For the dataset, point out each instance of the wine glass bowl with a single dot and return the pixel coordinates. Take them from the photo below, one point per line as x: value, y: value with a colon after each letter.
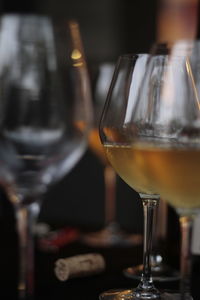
x: 38, y: 135
x: 171, y: 116
x: 45, y: 93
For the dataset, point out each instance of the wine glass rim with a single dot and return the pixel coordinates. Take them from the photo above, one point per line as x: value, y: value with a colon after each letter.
x: 186, y: 45
x: 131, y: 56
x: 175, y: 42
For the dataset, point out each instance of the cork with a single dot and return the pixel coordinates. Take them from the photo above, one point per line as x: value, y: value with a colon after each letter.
x: 79, y: 266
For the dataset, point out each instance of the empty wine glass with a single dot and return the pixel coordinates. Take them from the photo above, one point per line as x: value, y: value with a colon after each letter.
x: 44, y: 94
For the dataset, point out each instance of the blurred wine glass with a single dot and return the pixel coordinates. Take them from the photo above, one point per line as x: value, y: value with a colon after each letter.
x: 111, y: 234
x: 167, y: 135
x: 44, y: 94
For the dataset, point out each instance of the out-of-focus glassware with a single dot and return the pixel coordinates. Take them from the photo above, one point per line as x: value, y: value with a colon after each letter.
x: 44, y: 96
x: 111, y: 234
x: 166, y: 128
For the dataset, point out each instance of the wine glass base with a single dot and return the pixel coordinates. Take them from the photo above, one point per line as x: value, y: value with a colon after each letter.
x: 111, y: 236
x: 161, y: 273
x: 129, y: 294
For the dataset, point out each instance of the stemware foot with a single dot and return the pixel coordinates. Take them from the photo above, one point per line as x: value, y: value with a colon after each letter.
x: 161, y: 273
x: 116, y: 294
x: 131, y: 294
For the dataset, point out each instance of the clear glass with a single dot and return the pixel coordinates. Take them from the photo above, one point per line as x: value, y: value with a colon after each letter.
x: 117, y: 140
x: 44, y: 97
x: 166, y: 129
x: 161, y: 272
x: 111, y: 234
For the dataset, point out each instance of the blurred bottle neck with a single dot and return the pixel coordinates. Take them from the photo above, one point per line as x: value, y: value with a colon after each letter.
x: 177, y: 20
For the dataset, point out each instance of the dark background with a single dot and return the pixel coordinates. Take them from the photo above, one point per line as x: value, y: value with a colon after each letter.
x: 109, y: 28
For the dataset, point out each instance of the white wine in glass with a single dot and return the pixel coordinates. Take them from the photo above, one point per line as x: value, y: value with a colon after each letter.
x: 117, y: 136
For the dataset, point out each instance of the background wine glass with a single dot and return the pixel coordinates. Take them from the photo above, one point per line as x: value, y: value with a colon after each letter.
x: 117, y: 138
x: 111, y: 234
x: 45, y: 93
x: 167, y: 135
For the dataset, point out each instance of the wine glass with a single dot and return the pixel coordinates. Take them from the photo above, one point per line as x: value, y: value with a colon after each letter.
x: 44, y: 95
x: 111, y: 234
x: 166, y: 131
x: 117, y: 137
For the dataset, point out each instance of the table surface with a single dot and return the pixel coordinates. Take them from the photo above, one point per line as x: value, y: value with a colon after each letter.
x: 88, y: 288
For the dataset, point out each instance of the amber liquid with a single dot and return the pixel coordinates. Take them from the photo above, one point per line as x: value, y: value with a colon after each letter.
x: 173, y: 172
x: 96, y: 146
x: 130, y: 166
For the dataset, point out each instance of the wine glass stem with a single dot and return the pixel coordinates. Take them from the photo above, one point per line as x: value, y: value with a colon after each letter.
x: 186, y: 224
x: 146, y: 287
x: 110, y: 196
x: 25, y: 217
